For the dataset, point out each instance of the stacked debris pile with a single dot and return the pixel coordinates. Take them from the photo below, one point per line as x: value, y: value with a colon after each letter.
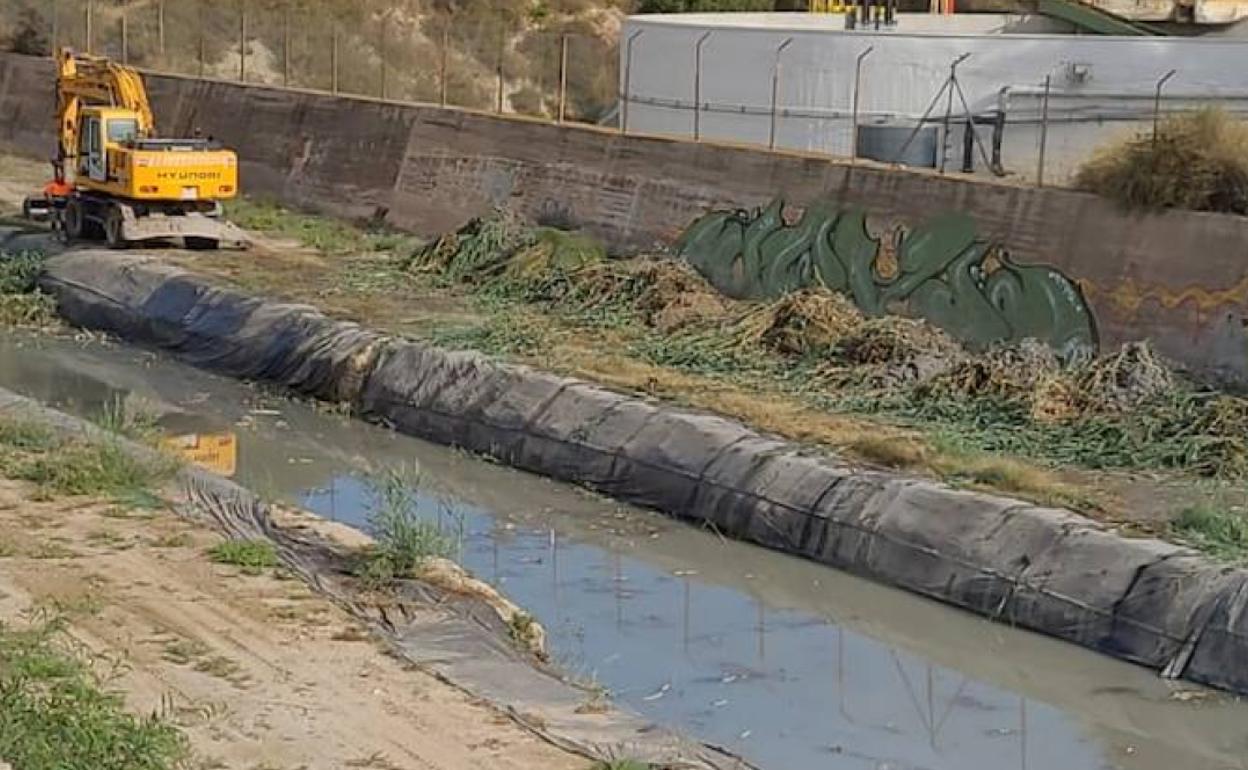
x: 1124, y: 408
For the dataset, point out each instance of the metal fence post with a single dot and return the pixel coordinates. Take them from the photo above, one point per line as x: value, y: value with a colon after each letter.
x: 563, y: 77
x: 202, y: 41
x: 333, y: 58
x: 160, y: 28
x: 125, y: 34
x: 951, y: 85
x: 697, y: 84
x: 89, y: 43
x: 242, y: 41
x: 628, y: 80
x: 286, y: 43
x: 853, y: 136
x: 1157, y: 102
x: 381, y: 48
x: 1044, y: 130
x: 56, y: 27
x: 775, y: 92
x: 443, y: 73
x: 502, y: 44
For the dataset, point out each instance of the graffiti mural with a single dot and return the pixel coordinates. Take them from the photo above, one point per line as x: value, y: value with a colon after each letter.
x: 940, y: 271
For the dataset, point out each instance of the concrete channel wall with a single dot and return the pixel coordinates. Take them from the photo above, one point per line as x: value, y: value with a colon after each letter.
x: 1050, y: 570
x: 1179, y: 279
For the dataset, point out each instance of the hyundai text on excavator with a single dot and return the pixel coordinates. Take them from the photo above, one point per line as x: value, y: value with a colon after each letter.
x: 117, y: 178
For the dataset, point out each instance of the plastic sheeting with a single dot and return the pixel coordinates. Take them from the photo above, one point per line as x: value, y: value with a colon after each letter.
x: 1050, y: 570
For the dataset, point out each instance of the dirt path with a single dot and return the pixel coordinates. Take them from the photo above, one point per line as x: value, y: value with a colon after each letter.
x: 257, y: 670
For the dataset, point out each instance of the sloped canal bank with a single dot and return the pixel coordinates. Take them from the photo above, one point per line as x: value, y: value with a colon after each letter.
x: 791, y: 664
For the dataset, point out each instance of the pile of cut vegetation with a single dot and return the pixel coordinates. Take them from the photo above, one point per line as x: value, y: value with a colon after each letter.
x: 1123, y: 408
x: 503, y: 250
x: 1195, y: 161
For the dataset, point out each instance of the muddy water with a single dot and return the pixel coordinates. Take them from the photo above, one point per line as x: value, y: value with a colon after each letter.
x: 794, y: 665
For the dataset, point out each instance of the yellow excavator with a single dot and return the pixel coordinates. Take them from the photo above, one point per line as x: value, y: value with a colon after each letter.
x: 116, y: 178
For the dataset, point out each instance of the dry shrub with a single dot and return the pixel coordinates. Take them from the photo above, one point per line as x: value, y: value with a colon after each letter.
x: 811, y: 321
x: 889, y: 351
x: 1198, y: 161
x: 1120, y: 381
x: 1032, y: 374
x: 666, y: 294
x: 1009, y: 372
x: 894, y: 339
x: 900, y: 452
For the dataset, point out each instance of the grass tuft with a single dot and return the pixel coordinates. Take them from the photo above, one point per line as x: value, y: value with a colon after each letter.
x: 55, y: 715
x: 253, y: 556
x: 326, y: 235
x: 1218, y: 530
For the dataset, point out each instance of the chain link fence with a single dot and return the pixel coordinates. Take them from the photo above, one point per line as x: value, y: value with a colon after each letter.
x: 554, y: 63
x: 564, y: 60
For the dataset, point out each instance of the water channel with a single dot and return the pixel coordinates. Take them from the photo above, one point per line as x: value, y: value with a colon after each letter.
x: 794, y: 665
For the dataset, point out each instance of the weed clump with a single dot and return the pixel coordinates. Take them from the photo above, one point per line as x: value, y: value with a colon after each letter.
x: 75, y: 466
x: 404, y: 541
x: 252, y: 556
x: 1197, y: 161
x: 328, y: 236
x: 21, y: 302
x: 54, y: 713
x: 1215, y: 529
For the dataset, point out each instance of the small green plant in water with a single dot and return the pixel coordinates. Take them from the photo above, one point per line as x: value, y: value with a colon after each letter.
x: 520, y: 626
x: 253, y: 556
x: 126, y: 419
x: 1218, y: 530
x: 404, y: 540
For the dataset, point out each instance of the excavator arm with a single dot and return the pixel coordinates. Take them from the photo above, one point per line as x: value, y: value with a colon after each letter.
x: 84, y: 81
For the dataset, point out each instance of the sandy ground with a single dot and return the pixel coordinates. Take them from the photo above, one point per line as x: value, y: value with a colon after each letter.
x: 257, y: 670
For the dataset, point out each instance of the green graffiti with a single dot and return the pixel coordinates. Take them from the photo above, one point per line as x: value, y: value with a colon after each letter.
x: 944, y: 273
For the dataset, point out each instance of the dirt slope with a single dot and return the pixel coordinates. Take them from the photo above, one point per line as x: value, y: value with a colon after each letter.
x: 257, y: 670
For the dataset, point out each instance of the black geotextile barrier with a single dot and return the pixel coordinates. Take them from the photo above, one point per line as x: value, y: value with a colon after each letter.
x: 1050, y: 570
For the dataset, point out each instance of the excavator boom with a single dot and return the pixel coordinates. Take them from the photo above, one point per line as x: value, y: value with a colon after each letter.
x: 82, y: 81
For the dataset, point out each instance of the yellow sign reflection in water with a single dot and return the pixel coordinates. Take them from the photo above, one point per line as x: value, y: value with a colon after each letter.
x: 217, y: 452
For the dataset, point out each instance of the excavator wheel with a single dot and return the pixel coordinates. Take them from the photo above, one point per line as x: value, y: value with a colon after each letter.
x: 74, y: 220
x: 112, y: 229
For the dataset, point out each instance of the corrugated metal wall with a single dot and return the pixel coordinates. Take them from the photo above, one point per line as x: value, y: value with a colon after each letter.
x: 1100, y: 85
